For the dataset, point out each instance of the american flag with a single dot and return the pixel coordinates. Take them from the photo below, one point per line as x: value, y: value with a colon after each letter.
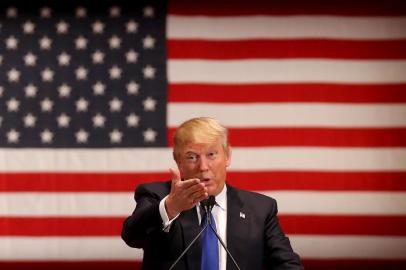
x: 313, y: 93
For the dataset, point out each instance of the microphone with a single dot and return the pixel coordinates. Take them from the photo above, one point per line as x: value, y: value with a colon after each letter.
x: 207, y: 205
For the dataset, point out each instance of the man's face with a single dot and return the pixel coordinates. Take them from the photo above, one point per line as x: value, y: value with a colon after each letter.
x: 208, y: 162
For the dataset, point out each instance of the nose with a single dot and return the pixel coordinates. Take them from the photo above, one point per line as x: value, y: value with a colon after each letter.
x: 203, y: 164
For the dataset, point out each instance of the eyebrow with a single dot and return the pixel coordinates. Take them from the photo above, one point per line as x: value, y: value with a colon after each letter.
x: 191, y: 152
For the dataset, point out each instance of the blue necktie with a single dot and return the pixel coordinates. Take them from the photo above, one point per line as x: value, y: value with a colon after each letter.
x: 210, y: 248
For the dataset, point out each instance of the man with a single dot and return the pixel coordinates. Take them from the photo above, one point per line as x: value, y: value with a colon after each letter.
x: 168, y: 215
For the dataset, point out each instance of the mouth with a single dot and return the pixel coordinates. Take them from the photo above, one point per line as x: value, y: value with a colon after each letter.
x: 205, y: 181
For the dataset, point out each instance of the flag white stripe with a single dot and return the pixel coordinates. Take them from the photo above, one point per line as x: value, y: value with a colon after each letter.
x: 287, y: 70
x: 283, y: 27
x: 113, y: 248
x: 349, y: 247
x: 86, y: 160
x: 113, y: 204
x: 67, y: 248
x: 333, y: 203
x: 159, y: 160
x: 89, y: 204
x: 292, y: 114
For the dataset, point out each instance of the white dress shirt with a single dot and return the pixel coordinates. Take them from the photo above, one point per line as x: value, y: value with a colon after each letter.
x: 219, y: 213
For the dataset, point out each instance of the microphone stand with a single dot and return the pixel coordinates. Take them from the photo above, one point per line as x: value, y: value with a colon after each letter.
x: 221, y: 241
x: 208, y: 205
x: 188, y: 247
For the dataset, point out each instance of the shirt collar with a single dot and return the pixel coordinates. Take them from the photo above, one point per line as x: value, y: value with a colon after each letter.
x: 221, y: 198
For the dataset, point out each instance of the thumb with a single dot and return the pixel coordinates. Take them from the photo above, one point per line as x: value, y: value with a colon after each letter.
x: 175, y: 174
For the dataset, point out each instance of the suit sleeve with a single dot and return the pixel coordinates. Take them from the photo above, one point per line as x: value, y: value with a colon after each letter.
x: 144, y: 221
x: 279, y: 254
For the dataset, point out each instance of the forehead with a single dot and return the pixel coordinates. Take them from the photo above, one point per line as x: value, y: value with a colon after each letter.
x: 201, y: 147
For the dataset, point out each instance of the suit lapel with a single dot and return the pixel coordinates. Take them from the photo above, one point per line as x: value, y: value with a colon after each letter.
x: 190, y: 227
x: 237, y: 227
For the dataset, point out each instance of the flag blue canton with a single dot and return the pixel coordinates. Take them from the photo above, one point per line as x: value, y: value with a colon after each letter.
x: 82, y: 75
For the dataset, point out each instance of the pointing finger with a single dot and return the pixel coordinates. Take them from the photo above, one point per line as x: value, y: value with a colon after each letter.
x: 175, y: 174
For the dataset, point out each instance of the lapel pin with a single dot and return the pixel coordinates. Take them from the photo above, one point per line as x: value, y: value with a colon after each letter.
x: 242, y: 215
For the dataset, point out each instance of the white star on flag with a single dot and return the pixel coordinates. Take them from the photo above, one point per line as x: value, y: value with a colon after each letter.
x: 45, y: 43
x: 98, y: 120
x: 82, y: 136
x: 30, y: 90
x: 98, y: 27
x: 81, y: 12
x: 116, y: 136
x: 114, y: 42
x: 131, y: 56
x: 29, y: 120
x: 62, y: 27
x: 132, y: 120
x: 131, y: 26
x: 30, y: 59
x: 45, y: 12
x: 98, y: 57
x: 47, y: 75
x: 13, y: 75
x: 12, y: 12
x: 46, y: 136
x: 46, y: 105
x: 13, y: 136
x: 82, y: 104
x: 81, y: 73
x: 115, y: 105
x: 63, y: 120
x: 13, y: 105
x: 115, y: 11
x: 132, y: 88
x: 64, y: 90
x: 11, y: 43
x: 28, y: 27
x: 81, y: 43
x: 149, y: 135
x: 64, y: 59
x: 115, y: 72
x: 149, y: 72
x: 148, y: 42
x: 149, y: 12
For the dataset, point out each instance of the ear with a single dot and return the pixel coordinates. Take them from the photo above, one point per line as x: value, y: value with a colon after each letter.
x: 228, y: 157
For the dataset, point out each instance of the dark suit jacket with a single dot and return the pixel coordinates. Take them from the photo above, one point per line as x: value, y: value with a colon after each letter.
x: 256, y: 241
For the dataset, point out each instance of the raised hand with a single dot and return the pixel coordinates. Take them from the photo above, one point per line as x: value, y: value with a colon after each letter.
x: 184, y: 194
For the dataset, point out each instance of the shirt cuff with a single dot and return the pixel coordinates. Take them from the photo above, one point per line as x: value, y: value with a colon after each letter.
x: 164, y: 216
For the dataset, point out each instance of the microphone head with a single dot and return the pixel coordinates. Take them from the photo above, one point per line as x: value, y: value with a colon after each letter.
x: 209, y: 203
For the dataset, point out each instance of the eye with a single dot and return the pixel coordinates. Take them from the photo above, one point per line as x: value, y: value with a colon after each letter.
x: 191, y: 157
x: 212, y: 155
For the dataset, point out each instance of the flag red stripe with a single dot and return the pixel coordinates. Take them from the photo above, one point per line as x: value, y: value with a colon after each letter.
x: 291, y: 7
x: 303, y: 48
x: 76, y: 182
x: 136, y: 265
x: 322, y: 181
x: 348, y: 264
x: 61, y: 226
x: 292, y: 224
x: 69, y: 265
x: 260, y: 181
x: 332, y: 137
x: 245, y: 93
x: 344, y: 225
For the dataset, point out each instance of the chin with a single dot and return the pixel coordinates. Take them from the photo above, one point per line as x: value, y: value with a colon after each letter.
x: 211, y: 191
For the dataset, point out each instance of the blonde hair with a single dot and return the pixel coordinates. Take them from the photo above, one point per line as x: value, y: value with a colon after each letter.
x: 200, y: 130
